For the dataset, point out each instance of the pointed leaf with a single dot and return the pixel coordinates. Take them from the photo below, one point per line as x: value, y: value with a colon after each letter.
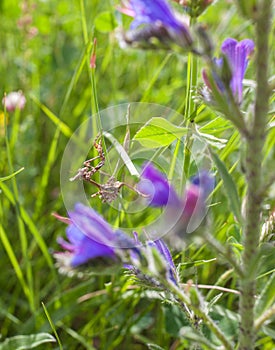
x: 229, y: 186
x: 267, y: 296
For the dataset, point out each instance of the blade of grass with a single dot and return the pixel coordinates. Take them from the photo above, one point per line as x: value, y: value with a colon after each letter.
x: 52, y: 326
x: 46, y: 174
x: 5, y: 178
x: 16, y: 266
x: 31, y: 226
x: 229, y: 185
x: 63, y: 127
x: 21, y: 227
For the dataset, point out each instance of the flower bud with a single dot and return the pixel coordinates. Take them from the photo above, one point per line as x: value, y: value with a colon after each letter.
x: 14, y: 100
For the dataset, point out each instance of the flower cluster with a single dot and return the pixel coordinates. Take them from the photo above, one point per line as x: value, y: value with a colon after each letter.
x: 90, y: 236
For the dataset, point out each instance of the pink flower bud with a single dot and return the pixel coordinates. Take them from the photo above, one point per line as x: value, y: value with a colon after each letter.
x: 13, y: 100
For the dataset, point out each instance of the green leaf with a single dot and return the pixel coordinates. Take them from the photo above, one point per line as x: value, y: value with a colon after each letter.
x: 227, y: 320
x: 31, y: 341
x: 63, y: 127
x: 229, y: 186
x: 196, y: 337
x: 105, y: 22
x: 269, y: 332
x: 5, y: 178
x: 154, y: 347
x: 267, y: 296
x: 159, y: 132
x: 174, y: 319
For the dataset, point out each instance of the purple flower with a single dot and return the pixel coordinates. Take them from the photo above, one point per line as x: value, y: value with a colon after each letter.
x: 154, y: 264
x: 90, y: 236
x: 156, y: 186
x: 237, y: 54
x: 158, y: 14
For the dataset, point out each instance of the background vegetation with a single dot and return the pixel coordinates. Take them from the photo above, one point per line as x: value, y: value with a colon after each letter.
x: 46, y: 48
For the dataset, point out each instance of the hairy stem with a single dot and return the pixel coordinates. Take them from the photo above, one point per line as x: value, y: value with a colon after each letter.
x: 253, y: 163
x: 201, y: 314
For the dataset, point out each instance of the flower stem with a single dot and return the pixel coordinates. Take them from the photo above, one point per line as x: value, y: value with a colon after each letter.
x: 253, y: 163
x: 208, y: 321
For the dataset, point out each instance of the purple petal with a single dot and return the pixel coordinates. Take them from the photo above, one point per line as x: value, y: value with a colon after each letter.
x: 191, y: 200
x: 89, y: 249
x: 164, y: 250
x: 83, y: 248
x: 154, y: 184
x: 151, y: 12
x: 90, y: 223
x: 237, y: 54
x: 205, y: 180
x: 197, y: 192
x: 228, y: 48
x: 243, y: 50
x: 165, y: 253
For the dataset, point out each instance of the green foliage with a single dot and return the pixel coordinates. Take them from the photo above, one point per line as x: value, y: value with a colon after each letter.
x: 46, y: 48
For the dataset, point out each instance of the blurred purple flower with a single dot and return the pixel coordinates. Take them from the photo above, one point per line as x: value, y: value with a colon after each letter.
x: 158, y: 14
x: 188, y: 210
x: 205, y: 180
x: 237, y: 54
x: 153, y: 12
x: 13, y: 100
x: 156, y: 186
x: 90, y: 236
x: 196, y: 193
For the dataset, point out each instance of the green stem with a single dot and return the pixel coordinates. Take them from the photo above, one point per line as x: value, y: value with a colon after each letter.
x: 190, y: 110
x: 183, y: 297
x: 21, y: 227
x: 190, y: 106
x: 253, y: 163
x: 96, y: 122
